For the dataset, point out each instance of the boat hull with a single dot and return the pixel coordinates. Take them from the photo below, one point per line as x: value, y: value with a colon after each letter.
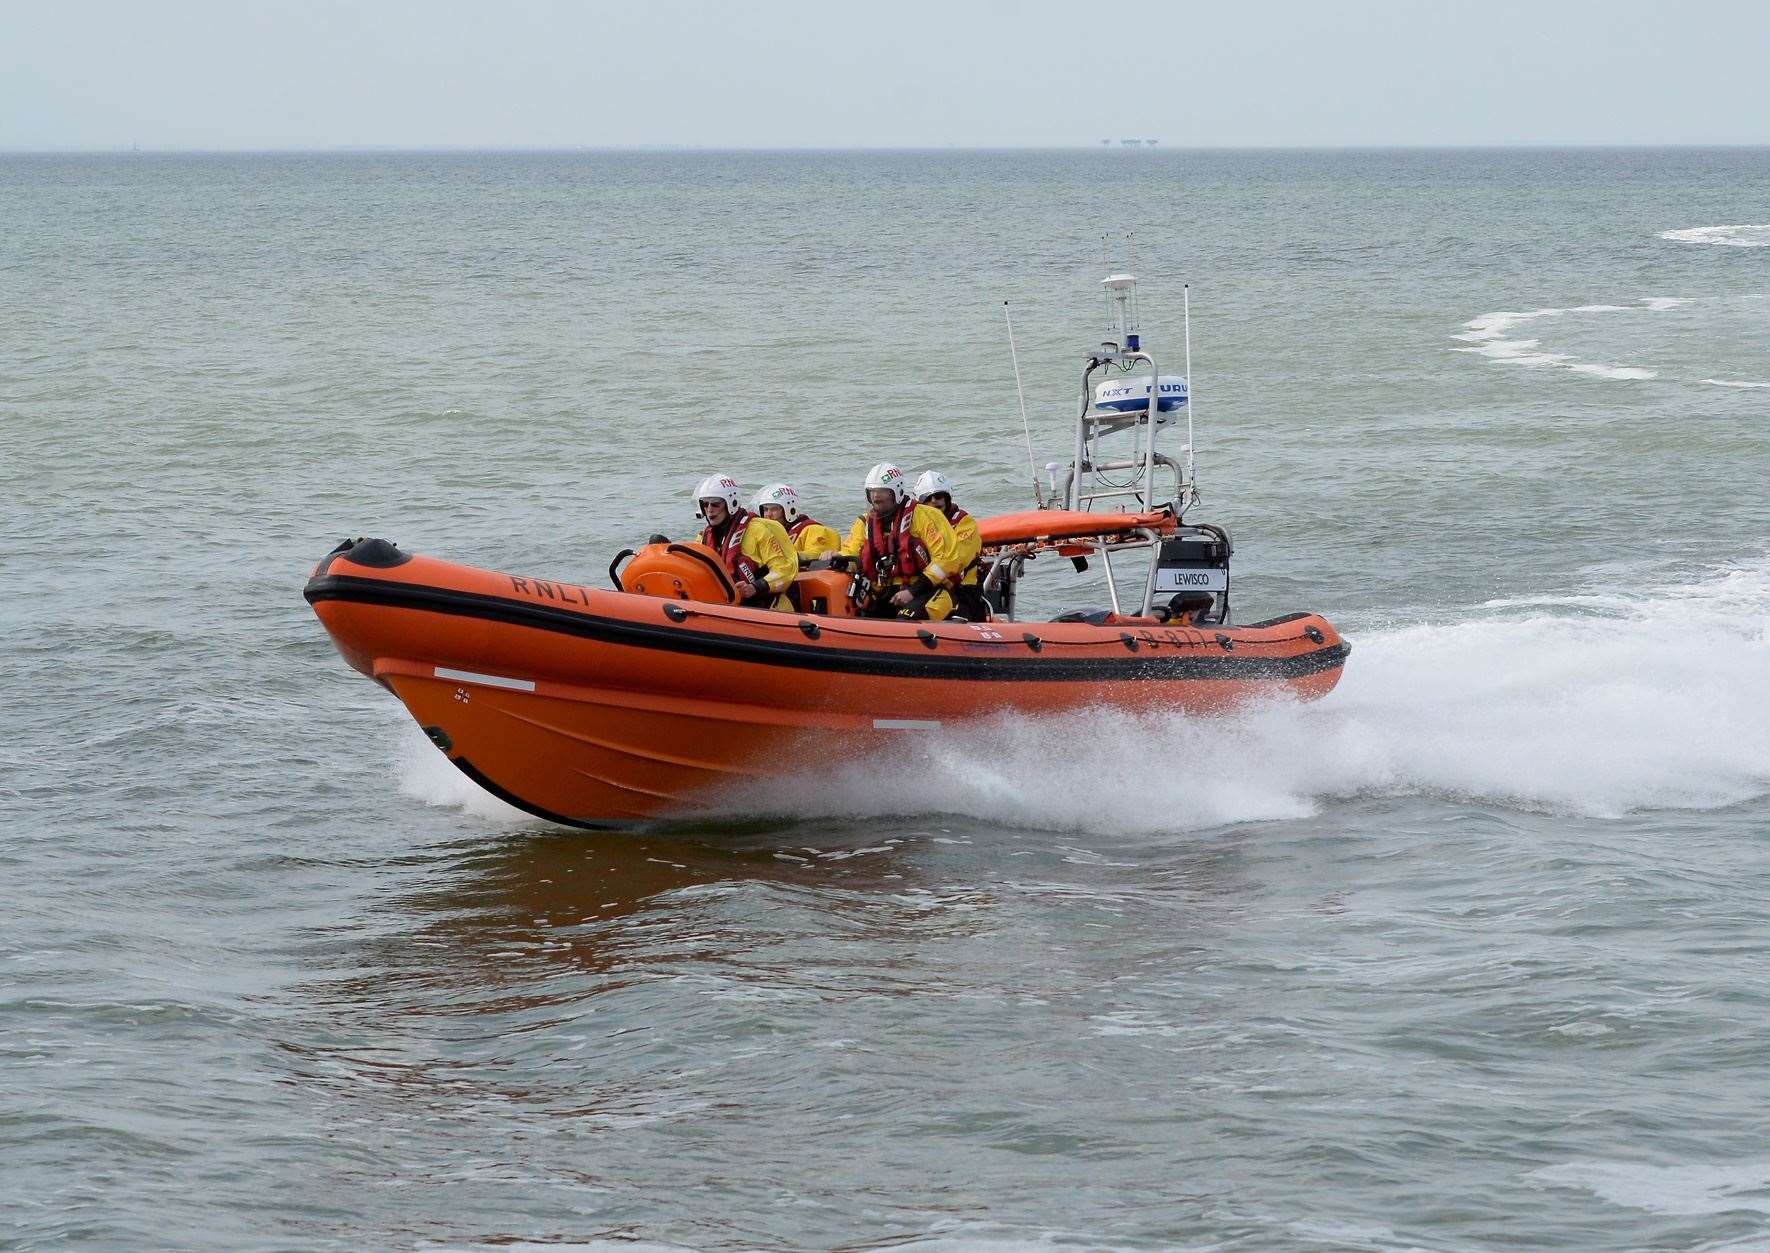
x: 596, y: 708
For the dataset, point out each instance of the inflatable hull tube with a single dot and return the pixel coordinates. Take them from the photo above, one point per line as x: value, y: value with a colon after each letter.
x: 602, y: 708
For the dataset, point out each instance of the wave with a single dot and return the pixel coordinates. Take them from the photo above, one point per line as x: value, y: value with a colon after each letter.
x: 1598, y: 704
x: 1489, y: 336
x: 1731, y: 236
x: 1734, y: 383
x: 1684, y: 1190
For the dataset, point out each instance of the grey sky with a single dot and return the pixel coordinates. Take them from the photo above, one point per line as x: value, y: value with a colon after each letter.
x: 530, y: 73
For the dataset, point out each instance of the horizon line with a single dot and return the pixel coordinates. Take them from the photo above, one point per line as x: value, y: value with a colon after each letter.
x: 1141, y: 145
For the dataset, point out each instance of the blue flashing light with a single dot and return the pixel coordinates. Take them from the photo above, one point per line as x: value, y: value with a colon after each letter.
x: 1133, y: 343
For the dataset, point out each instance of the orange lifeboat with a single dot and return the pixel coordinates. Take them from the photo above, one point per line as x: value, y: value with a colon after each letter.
x: 603, y: 708
x: 600, y: 708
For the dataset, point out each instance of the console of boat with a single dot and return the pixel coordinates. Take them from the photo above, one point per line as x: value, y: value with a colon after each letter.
x: 599, y: 707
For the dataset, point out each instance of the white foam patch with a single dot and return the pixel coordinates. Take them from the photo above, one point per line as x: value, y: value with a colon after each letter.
x: 594, y: 1245
x: 1735, y: 383
x: 1489, y: 337
x: 958, y: 1236
x: 1681, y: 1190
x: 1729, y: 236
x: 1613, y: 371
x: 1596, y: 705
x: 426, y: 775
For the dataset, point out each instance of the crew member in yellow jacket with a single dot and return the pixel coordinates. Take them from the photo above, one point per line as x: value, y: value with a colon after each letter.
x: 966, y: 585
x: 780, y: 503
x: 905, y: 550
x: 757, y: 553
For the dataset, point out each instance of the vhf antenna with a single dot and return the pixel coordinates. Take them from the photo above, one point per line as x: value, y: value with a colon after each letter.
x: 1025, y: 424
x: 1191, y: 392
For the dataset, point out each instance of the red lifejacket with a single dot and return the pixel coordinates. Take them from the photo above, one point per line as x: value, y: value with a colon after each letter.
x: 800, y: 523
x: 731, y: 551
x: 895, y: 543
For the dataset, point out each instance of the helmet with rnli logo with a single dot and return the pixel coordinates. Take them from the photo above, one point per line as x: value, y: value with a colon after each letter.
x: 717, y: 487
x: 782, y: 495
x: 933, y: 483
x: 888, y: 476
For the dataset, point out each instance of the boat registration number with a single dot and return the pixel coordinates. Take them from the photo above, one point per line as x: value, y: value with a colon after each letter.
x: 1172, y: 580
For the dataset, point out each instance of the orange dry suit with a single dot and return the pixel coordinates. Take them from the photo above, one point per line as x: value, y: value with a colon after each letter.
x: 812, y: 538
x: 915, y: 548
x: 756, y: 551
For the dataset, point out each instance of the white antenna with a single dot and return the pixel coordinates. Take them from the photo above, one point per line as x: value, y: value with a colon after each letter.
x: 1025, y: 425
x: 1106, y: 264
x: 1131, y: 248
x: 1191, y: 391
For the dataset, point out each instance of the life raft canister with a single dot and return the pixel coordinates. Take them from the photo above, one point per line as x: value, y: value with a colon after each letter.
x: 679, y: 572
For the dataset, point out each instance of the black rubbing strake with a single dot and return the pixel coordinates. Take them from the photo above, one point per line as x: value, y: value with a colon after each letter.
x: 1181, y: 665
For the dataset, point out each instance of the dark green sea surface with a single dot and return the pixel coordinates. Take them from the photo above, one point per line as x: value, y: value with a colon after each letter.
x: 1473, y: 954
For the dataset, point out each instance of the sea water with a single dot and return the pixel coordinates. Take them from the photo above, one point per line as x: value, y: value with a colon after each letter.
x: 1471, y: 953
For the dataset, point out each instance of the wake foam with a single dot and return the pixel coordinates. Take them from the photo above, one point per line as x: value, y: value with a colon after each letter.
x: 1489, y: 336
x: 1730, y: 236
x: 1735, y: 383
x: 1595, y: 704
x: 426, y: 775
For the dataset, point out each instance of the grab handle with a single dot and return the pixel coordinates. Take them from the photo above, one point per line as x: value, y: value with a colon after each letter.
x: 614, y: 567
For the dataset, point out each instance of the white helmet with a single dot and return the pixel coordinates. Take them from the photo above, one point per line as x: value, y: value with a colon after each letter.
x: 717, y: 487
x: 887, y: 475
x: 782, y: 495
x: 932, y: 483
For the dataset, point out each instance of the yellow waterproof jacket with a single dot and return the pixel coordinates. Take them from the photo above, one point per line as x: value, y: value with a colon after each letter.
x: 767, y: 546
x: 815, y: 539
x: 767, y: 543
x: 930, y: 528
x: 970, y: 545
